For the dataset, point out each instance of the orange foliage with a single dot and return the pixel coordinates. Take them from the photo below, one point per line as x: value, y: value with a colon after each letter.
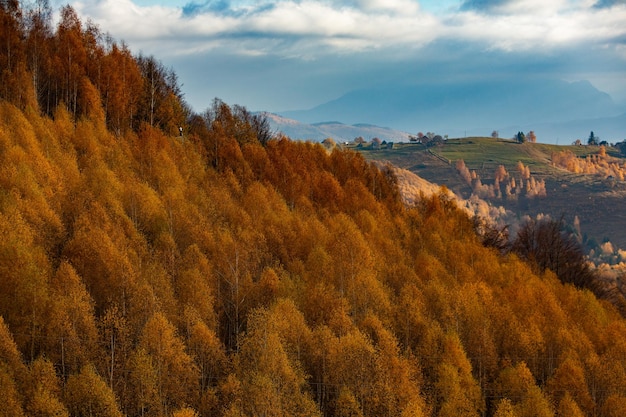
x: 600, y: 164
x: 505, y: 185
x: 227, y: 274
x: 152, y: 262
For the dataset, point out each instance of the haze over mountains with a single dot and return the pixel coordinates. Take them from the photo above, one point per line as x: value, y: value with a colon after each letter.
x: 338, y: 131
x: 556, y: 110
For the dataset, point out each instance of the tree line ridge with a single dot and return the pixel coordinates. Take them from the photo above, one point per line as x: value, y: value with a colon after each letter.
x: 84, y: 70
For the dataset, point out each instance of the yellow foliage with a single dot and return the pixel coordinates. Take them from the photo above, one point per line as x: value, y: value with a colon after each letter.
x: 346, y: 404
x: 568, y: 407
x: 185, y: 412
x: 614, y: 406
x: 504, y: 408
x: 11, y: 404
x: 87, y: 395
x: 600, y: 164
x: 43, y: 403
x: 175, y: 371
x: 215, y: 275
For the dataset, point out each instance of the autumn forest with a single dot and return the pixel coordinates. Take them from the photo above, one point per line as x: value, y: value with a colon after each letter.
x: 230, y: 272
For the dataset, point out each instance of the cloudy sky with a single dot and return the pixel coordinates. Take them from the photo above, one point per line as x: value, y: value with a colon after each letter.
x: 294, y: 54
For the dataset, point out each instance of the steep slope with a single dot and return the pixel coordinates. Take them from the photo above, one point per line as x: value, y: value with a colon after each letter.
x: 222, y: 272
x: 150, y: 274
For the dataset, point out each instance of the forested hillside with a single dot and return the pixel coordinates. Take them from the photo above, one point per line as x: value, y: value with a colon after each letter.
x: 228, y: 273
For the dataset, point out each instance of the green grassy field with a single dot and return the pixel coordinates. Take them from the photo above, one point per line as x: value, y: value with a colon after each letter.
x: 479, y: 151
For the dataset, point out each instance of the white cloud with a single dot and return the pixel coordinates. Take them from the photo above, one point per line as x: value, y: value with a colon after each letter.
x: 410, y: 7
x: 317, y: 27
x: 534, y: 7
x: 538, y: 25
x: 391, y: 39
x: 314, y: 27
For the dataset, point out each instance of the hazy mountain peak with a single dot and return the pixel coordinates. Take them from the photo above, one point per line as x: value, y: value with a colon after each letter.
x: 461, y: 108
x: 336, y: 130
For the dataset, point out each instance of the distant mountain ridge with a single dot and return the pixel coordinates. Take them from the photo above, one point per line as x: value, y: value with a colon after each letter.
x: 333, y: 129
x: 553, y: 108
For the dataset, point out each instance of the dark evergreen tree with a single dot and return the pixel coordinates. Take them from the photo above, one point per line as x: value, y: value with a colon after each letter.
x: 593, y: 139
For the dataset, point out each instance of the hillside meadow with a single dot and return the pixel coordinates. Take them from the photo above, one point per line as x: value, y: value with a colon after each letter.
x: 583, y: 184
x: 225, y: 272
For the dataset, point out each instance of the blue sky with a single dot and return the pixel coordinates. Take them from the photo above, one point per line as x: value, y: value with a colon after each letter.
x: 294, y: 54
